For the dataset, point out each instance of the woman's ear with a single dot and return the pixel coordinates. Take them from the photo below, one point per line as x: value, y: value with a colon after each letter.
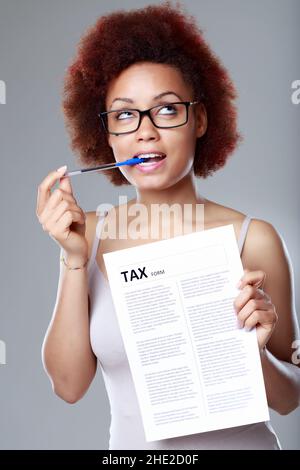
x: 201, y: 120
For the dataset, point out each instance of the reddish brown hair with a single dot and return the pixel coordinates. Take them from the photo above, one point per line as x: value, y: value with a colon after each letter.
x: 159, y: 34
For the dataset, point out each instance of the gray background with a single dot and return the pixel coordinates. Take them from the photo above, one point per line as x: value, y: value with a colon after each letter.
x: 257, y: 41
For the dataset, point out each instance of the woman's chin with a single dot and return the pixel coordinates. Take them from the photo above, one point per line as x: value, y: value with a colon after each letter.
x: 144, y: 180
x: 154, y: 183
x: 155, y: 180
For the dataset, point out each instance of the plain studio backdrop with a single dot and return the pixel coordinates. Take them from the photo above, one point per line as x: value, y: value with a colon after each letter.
x: 257, y: 42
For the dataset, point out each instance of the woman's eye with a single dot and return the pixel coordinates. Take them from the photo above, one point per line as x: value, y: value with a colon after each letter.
x: 121, y: 114
x: 170, y: 106
x: 166, y: 110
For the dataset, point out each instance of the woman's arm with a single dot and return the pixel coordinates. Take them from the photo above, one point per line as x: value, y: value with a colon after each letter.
x: 67, y: 355
x: 265, y: 250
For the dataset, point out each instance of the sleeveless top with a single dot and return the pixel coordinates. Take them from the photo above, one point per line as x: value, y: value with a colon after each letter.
x: 126, y: 427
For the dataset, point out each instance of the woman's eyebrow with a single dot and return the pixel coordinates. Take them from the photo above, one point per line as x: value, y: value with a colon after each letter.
x: 128, y: 100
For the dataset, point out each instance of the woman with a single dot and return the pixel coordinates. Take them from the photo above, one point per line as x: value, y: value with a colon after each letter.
x: 155, y: 59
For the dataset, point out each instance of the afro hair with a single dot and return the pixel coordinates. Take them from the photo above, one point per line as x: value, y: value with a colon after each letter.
x: 160, y: 34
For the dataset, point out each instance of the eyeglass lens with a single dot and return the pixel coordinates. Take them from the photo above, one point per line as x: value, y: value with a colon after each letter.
x: 127, y: 120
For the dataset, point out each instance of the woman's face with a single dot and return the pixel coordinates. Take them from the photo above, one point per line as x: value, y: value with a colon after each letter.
x: 141, y: 83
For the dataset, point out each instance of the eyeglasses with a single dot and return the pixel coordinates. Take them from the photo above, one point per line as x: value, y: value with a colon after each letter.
x: 127, y: 120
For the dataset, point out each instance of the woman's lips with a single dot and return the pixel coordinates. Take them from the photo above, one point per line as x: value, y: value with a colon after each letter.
x: 149, y: 168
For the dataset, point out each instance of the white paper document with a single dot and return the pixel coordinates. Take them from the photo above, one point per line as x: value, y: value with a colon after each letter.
x: 194, y: 370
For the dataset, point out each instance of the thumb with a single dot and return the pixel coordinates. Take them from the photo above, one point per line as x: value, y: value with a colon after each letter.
x: 65, y: 184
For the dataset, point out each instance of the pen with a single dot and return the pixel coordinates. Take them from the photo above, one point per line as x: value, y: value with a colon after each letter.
x: 106, y: 166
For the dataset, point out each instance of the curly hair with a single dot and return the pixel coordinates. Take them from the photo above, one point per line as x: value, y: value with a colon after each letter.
x: 159, y: 34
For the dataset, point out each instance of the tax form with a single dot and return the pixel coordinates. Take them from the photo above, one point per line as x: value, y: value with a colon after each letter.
x: 193, y: 369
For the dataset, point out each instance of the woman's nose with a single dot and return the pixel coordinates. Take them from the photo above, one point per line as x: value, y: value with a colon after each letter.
x: 146, y: 129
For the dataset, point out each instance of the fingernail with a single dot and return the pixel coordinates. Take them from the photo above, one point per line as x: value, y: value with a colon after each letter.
x: 247, y: 328
x: 239, y: 284
x: 59, y: 170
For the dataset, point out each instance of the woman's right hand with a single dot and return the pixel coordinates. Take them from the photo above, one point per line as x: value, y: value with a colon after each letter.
x: 61, y: 217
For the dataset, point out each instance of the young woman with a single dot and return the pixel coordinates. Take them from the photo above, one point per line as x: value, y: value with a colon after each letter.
x: 156, y: 60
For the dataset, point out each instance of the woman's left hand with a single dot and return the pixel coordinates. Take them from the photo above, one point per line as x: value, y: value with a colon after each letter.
x: 254, y: 306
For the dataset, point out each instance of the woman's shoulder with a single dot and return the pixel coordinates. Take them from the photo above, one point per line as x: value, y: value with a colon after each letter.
x: 217, y: 215
x: 224, y: 214
x: 260, y: 233
x: 215, y: 212
x: 263, y: 242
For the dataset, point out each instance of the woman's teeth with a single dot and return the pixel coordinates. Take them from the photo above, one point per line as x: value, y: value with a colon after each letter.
x: 151, y: 158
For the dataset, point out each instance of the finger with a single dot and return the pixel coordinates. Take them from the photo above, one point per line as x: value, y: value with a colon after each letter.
x: 52, y: 225
x: 266, y: 318
x: 62, y: 228
x: 44, y: 188
x: 255, y: 278
x: 54, y: 201
x: 249, y: 308
x: 59, y: 195
x: 64, y: 207
x: 65, y: 184
x: 264, y: 294
x: 248, y: 292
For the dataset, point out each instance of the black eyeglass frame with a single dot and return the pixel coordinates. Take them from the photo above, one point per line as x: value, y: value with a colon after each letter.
x: 146, y: 112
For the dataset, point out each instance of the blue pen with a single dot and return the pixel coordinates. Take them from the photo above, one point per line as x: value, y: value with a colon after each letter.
x: 106, y: 166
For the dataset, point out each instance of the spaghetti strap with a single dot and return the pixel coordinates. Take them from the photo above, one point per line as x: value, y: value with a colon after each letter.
x: 243, y: 232
x: 96, y: 240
